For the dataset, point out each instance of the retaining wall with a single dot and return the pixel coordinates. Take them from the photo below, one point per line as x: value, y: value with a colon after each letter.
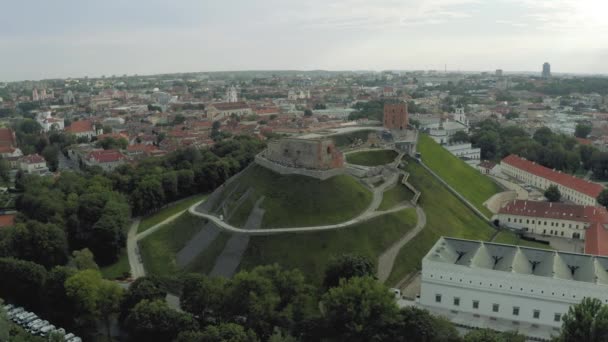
x: 287, y: 170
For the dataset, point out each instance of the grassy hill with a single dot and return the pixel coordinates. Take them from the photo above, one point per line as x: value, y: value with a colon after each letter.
x: 445, y: 214
x: 469, y: 182
x: 310, y: 252
x: 371, y: 158
x: 395, y: 195
x: 292, y: 200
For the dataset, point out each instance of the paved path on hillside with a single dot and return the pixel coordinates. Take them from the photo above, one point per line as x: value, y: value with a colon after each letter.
x: 135, y: 262
x: 387, y: 259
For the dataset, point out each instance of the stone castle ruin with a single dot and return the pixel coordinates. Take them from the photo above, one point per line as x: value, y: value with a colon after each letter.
x: 315, y: 154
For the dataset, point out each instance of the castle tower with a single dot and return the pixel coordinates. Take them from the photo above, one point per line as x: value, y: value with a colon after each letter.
x: 232, y: 95
x: 395, y: 116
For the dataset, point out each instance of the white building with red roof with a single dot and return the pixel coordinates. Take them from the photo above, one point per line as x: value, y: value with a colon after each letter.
x: 83, y: 128
x: 33, y: 164
x: 108, y: 160
x: 572, y: 188
x: 222, y: 110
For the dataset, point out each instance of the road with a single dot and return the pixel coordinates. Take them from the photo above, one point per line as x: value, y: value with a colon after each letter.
x: 387, y: 259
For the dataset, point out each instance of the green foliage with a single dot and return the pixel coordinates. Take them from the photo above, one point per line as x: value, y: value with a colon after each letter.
x: 359, y: 309
x: 142, y: 288
x: 347, y: 266
x: 111, y: 143
x: 602, y: 198
x: 307, y: 112
x: 22, y: 281
x: 84, y: 260
x: 398, y: 194
x: 583, y: 85
x: 460, y: 137
x: 373, y: 110
x: 552, y: 193
x: 155, y: 321
x: 487, y: 335
x: 586, y: 321
x: 582, y: 130
x: 45, y: 244
x: 372, y: 158
x: 224, y: 332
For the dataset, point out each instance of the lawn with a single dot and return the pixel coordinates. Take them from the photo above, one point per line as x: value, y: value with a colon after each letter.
x: 395, y: 195
x: 509, y: 237
x: 158, y: 250
x: 204, y: 262
x: 293, y: 200
x: 310, y: 252
x: 171, y: 210
x: 446, y: 216
x: 470, y: 183
x: 118, y: 269
x: 371, y: 158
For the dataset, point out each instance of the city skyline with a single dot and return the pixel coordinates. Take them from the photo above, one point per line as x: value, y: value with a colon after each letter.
x: 74, y: 39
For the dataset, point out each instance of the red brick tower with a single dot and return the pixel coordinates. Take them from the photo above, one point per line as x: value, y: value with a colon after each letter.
x: 395, y: 116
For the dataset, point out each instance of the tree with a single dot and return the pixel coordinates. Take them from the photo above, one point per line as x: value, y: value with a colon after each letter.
x: 543, y: 135
x: 22, y: 281
x: 203, y: 296
x: 45, y: 244
x: 582, y: 130
x: 602, y: 198
x: 51, y: 155
x: 142, y: 288
x: 155, y: 321
x: 487, y: 335
x: 108, y: 304
x: 421, y: 326
x: 4, y: 324
x: 460, y: 136
x: 586, y: 321
x: 359, y: 309
x: 219, y: 333
x: 307, y: 112
x: 347, y: 266
x: 84, y: 260
x: 552, y: 193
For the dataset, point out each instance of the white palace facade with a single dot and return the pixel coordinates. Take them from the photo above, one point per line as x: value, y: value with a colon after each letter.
x: 504, y: 287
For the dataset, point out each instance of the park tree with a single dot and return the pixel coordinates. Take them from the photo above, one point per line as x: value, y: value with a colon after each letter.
x: 586, y: 321
x: 22, y: 281
x: 421, y: 326
x: 142, y: 288
x: 359, y: 309
x: 347, y: 266
x: 55, y: 295
x: 155, y: 321
x: 582, y: 130
x: 487, y: 335
x: 307, y: 112
x: 51, y: 155
x: 219, y: 333
x: 553, y: 194
x: 203, y: 296
x: 602, y: 198
x: 45, y: 244
x: 84, y: 260
x: 459, y: 137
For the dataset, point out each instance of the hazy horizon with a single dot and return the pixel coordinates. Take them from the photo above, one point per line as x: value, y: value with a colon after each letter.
x: 42, y: 40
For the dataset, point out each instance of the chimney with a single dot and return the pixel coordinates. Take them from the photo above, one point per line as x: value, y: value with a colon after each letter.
x: 550, y: 204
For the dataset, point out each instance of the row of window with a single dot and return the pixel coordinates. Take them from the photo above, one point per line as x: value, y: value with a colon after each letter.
x: 496, y: 308
x: 553, y: 224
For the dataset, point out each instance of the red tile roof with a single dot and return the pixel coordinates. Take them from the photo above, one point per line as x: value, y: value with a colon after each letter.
x: 33, y: 159
x: 230, y: 105
x: 577, y: 184
x: 558, y: 211
x: 596, y: 240
x: 106, y: 156
x: 7, y: 220
x: 7, y: 138
x: 80, y: 127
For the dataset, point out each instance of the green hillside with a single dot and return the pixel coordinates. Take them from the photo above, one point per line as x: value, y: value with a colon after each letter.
x: 469, y: 182
x: 310, y: 252
x: 293, y: 201
x: 445, y: 214
x: 371, y: 158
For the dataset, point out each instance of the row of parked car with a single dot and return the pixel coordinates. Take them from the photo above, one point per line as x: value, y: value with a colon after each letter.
x: 35, y: 325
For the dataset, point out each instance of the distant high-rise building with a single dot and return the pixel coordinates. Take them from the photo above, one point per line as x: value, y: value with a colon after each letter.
x: 232, y: 95
x: 546, y: 70
x: 35, y: 96
x: 498, y: 72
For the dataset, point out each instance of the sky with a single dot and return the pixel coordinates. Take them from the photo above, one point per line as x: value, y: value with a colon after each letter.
x: 73, y: 38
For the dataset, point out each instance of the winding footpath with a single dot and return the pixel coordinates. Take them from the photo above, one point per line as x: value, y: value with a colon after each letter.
x: 387, y: 259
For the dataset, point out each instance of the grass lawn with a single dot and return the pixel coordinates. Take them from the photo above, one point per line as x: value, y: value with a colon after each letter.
x: 371, y: 158
x: 446, y: 216
x: 171, y: 210
x: 292, y: 200
x: 204, y: 262
x: 159, y: 249
x: 395, y: 195
x: 509, y: 237
x: 474, y: 186
x: 310, y: 252
x: 118, y: 269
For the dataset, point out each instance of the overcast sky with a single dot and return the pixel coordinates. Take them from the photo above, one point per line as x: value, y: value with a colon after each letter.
x: 72, y: 38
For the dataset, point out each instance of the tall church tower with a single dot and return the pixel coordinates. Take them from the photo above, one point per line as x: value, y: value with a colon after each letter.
x: 461, y: 117
x: 232, y: 95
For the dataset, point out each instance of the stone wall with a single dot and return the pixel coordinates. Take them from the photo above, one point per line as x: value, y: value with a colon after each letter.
x: 288, y: 170
x: 318, y: 154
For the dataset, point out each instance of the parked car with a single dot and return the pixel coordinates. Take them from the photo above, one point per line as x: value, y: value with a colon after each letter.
x: 15, y: 312
x: 33, y: 322
x: 23, y: 316
x: 75, y: 339
x: 44, y: 331
x: 68, y: 337
x: 8, y: 307
x: 28, y: 320
x: 34, y: 328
